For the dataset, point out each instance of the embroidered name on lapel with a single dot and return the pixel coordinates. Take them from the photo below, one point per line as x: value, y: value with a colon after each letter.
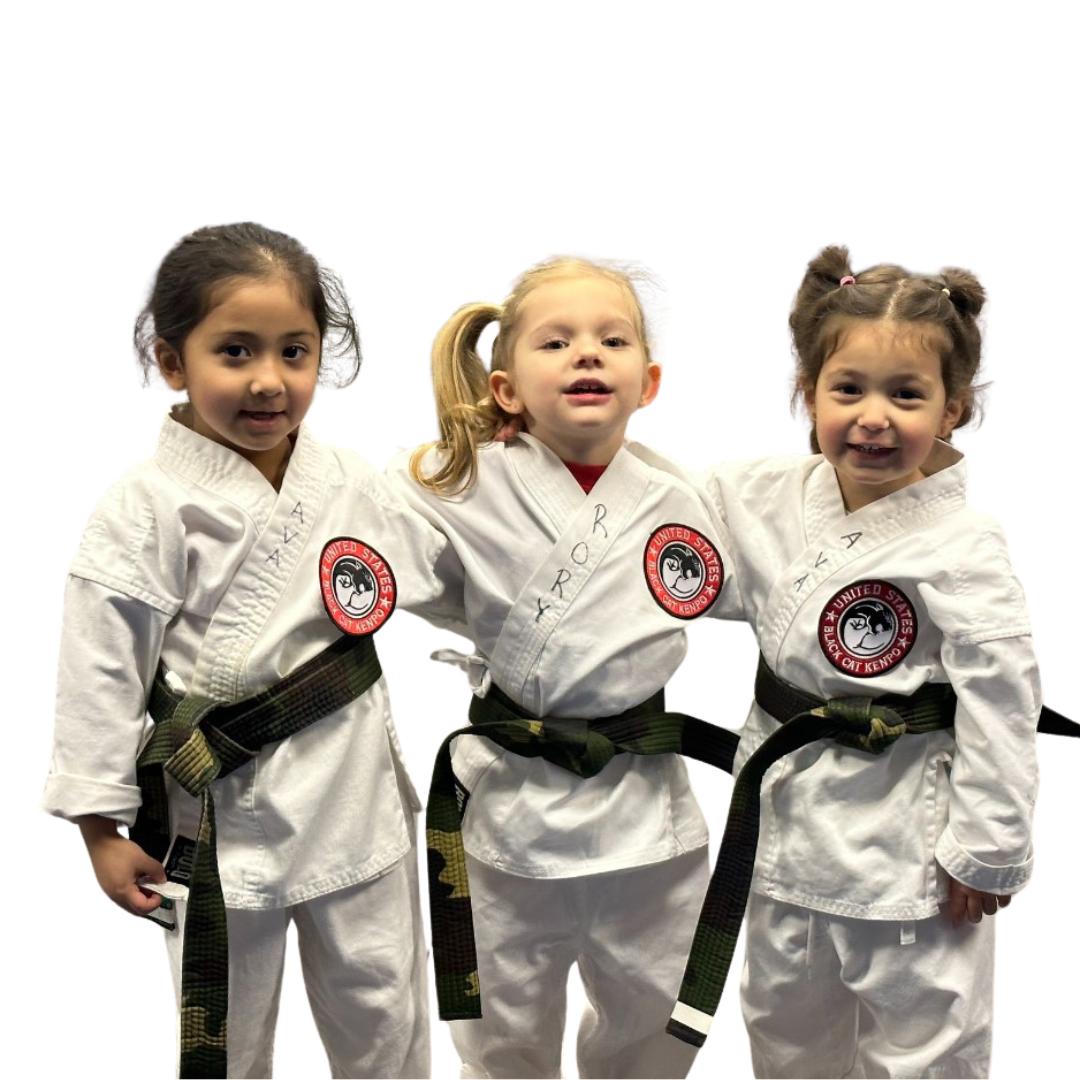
x: 357, y: 584
x: 867, y: 628
x: 683, y: 570
x: 579, y: 555
x: 286, y: 536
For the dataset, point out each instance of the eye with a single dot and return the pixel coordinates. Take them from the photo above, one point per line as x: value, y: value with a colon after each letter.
x: 614, y: 342
x: 236, y: 352
x: 294, y: 352
x: 847, y: 390
x: 553, y: 344
x: 908, y: 394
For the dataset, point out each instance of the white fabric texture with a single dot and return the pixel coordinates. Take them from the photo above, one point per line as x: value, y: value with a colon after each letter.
x: 562, y: 615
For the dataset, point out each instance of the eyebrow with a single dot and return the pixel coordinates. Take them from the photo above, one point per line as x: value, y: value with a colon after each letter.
x: 899, y: 376
x: 563, y: 328
x: 255, y: 334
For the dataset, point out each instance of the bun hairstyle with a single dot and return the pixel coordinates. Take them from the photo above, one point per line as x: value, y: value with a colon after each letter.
x: 189, y: 282
x: 468, y: 414
x: 832, y: 296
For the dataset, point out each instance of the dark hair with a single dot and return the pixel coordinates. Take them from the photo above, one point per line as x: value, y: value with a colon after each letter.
x: 949, y: 301
x: 204, y: 258
x: 187, y: 283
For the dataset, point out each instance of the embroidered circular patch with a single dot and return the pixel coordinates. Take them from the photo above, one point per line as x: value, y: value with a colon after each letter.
x: 683, y: 570
x: 358, y: 586
x: 867, y: 628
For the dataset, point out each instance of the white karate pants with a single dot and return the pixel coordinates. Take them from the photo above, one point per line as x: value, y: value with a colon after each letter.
x: 827, y: 996
x: 365, y: 969
x: 629, y: 932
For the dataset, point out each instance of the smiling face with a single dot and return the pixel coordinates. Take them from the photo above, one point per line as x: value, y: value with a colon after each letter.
x: 250, y: 369
x: 878, y: 405
x: 578, y: 369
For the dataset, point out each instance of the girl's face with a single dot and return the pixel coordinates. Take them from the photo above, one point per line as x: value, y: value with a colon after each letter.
x: 250, y: 369
x: 578, y: 369
x: 878, y: 405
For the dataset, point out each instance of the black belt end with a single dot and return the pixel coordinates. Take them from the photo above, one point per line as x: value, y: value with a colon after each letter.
x: 684, y: 1033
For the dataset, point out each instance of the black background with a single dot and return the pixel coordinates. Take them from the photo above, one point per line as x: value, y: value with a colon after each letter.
x: 102, y: 972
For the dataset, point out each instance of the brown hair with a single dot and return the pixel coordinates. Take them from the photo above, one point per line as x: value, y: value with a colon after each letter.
x: 950, y: 302
x: 468, y: 414
x: 188, y: 283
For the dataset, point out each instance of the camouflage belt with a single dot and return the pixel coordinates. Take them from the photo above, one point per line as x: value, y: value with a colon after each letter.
x: 582, y: 747
x: 197, y: 740
x: 865, y: 724
x: 871, y: 725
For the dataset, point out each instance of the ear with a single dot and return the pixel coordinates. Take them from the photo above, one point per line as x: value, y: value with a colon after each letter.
x: 502, y: 390
x: 650, y: 385
x: 954, y: 409
x: 809, y: 396
x: 169, y: 364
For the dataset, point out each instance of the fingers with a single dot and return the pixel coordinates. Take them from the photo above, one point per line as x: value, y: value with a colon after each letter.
x: 136, y: 901
x: 970, y: 905
x: 141, y: 901
x: 957, y: 904
x: 151, y: 868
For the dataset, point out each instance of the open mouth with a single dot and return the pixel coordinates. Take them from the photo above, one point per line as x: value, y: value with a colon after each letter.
x: 260, y: 417
x: 872, y: 451
x: 587, y: 387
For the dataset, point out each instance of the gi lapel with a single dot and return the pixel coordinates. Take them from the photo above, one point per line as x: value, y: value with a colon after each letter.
x: 835, y: 538
x: 585, y: 533
x: 242, y: 613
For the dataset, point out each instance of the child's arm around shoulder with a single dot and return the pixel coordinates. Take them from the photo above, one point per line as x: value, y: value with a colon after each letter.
x: 427, y: 573
x: 752, y: 501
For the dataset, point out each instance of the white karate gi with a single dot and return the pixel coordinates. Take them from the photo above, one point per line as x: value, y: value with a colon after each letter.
x: 911, y: 589
x: 194, y: 557
x: 566, y: 623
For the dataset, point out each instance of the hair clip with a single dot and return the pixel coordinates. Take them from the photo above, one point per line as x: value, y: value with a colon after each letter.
x: 945, y: 290
x: 846, y: 280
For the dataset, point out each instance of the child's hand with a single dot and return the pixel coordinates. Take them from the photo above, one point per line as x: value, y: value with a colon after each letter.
x: 971, y: 904
x: 118, y: 863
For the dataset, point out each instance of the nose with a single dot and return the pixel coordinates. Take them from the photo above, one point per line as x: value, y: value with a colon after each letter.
x: 266, y: 380
x: 588, y: 355
x: 873, y: 415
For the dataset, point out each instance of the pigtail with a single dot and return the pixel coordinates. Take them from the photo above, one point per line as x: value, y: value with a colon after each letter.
x: 964, y: 296
x: 824, y: 288
x: 468, y: 414
x: 825, y: 275
x: 967, y: 292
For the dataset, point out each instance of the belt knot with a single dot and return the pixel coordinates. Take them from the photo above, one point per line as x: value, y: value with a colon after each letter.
x: 862, y: 724
x: 193, y: 763
x: 586, y: 749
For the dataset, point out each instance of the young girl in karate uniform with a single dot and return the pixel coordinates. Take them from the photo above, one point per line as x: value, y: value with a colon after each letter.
x: 581, y: 557
x: 864, y: 573
x: 239, y: 552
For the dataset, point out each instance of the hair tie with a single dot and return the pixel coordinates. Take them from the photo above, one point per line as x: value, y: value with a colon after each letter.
x: 945, y: 290
x: 847, y: 279
x: 508, y: 430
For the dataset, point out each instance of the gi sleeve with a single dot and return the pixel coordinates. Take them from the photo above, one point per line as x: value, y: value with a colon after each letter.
x: 127, y: 582
x: 445, y: 607
x: 711, y: 490
x: 109, y: 649
x: 988, y: 658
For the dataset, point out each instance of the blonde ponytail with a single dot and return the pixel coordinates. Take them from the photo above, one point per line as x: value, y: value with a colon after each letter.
x: 468, y: 415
